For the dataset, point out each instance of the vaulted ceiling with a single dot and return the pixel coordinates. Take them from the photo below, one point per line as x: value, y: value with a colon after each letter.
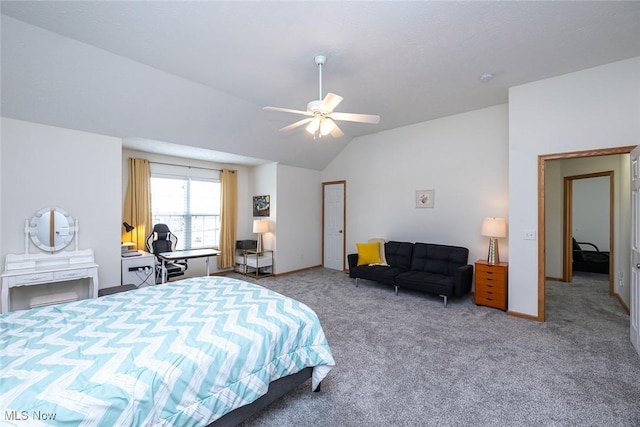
x: 190, y: 78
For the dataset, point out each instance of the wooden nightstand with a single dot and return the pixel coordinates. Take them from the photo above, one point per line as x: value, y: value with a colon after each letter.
x: 491, y: 284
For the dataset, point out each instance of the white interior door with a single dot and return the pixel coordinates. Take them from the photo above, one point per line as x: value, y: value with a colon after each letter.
x: 635, y: 249
x: 333, y: 251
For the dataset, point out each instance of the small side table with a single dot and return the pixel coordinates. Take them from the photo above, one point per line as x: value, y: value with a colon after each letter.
x: 139, y: 270
x: 491, y: 284
x: 258, y: 264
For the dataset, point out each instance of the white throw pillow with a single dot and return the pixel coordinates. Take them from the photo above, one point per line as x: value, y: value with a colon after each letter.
x: 383, y: 259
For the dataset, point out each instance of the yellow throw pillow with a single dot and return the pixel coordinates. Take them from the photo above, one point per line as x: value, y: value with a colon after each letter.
x: 368, y: 253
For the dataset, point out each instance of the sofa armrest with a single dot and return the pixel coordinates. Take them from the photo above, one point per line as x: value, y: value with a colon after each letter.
x: 463, y: 281
x: 352, y: 259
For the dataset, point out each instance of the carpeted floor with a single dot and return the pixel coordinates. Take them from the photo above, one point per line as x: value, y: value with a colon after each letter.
x: 407, y: 360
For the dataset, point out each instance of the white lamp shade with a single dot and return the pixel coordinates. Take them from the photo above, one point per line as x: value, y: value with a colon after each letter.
x: 494, y: 227
x: 327, y: 126
x: 313, y: 126
x: 260, y: 226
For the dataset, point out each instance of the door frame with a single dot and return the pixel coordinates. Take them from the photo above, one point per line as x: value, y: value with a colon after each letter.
x: 542, y: 159
x: 344, y: 218
x: 567, y: 247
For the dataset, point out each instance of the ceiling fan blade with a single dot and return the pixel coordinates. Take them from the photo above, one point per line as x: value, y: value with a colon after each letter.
x: 330, y: 102
x: 296, y: 124
x: 287, y: 110
x: 337, y: 132
x: 354, y: 117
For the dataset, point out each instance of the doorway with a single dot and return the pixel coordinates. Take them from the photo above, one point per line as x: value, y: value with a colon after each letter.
x: 542, y: 165
x: 333, y: 224
x: 588, y: 204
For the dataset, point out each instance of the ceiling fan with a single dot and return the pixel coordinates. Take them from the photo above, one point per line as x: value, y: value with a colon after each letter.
x: 321, y: 117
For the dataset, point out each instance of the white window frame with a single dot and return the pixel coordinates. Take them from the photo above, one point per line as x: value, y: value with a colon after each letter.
x: 189, y: 175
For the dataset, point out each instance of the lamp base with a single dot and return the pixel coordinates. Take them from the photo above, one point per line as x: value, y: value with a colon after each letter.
x: 493, y: 257
x: 259, y: 246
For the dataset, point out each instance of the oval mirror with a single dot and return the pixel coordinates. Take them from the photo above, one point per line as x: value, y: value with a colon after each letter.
x: 51, y: 229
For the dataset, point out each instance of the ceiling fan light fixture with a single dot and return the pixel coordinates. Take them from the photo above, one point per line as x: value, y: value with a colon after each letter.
x: 327, y: 126
x: 313, y: 126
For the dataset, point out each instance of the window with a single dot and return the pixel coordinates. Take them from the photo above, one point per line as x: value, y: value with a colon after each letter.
x: 190, y: 206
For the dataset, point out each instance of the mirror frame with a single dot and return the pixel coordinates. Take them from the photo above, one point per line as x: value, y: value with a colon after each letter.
x: 58, y: 225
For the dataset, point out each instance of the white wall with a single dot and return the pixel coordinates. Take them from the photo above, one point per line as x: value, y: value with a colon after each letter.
x: 77, y: 171
x: 197, y: 266
x: 263, y: 181
x: 462, y: 157
x: 591, y: 211
x: 299, y: 218
x: 590, y: 109
x: 554, y: 209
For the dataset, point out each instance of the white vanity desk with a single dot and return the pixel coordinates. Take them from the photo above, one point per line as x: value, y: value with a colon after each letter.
x: 37, y: 269
x: 51, y: 230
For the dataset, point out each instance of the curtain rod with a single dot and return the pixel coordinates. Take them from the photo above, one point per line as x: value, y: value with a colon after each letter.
x: 184, y: 166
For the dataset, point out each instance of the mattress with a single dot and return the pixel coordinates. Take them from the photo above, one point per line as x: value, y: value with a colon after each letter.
x: 184, y: 354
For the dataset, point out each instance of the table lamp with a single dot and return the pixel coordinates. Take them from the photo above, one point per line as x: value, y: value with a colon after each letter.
x: 494, y: 228
x: 260, y: 226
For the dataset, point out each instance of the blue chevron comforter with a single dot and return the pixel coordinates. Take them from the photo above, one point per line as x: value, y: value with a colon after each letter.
x: 182, y: 354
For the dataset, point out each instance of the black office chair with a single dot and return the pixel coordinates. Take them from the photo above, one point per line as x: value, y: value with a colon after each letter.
x: 592, y: 260
x: 161, y: 240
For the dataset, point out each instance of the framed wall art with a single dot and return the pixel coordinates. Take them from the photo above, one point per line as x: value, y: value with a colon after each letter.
x: 425, y: 198
x: 261, y: 205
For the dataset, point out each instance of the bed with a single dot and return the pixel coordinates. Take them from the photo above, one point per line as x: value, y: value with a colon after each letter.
x: 192, y: 352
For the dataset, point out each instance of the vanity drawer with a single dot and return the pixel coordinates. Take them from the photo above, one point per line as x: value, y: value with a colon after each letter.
x: 26, y: 279
x: 70, y: 275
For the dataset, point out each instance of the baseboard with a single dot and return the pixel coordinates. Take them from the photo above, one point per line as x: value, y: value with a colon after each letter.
x: 523, y: 316
x: 622, y: 303
x: 286, y: 273
x: 222, y: 272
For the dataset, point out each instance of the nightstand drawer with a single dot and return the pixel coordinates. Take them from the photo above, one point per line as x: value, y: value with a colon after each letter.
x: 497, y: 275
x: 491, y: 301
x: 486, y: 292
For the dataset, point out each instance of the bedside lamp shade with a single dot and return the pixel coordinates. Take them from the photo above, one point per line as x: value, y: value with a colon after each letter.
x: 494, y: 228
x: 260, y: 226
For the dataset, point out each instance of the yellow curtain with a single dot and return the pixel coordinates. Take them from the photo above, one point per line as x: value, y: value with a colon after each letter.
x: 137, y: 203
x: 228, y: 218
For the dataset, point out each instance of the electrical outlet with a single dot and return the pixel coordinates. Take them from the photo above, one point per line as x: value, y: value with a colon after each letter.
x: 529, y: 234
x: 620, y: 277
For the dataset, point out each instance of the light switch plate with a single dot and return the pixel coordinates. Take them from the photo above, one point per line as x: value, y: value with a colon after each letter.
x: 529, y: 234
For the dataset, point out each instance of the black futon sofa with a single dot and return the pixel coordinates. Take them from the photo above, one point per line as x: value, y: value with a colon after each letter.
x: 427, y: 267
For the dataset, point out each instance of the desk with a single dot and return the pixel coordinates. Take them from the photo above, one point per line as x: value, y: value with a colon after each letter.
x: 37, y: 269
x: 186, y: 254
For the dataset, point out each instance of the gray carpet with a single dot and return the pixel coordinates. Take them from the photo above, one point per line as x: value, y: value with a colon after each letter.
x: 407, y: 360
